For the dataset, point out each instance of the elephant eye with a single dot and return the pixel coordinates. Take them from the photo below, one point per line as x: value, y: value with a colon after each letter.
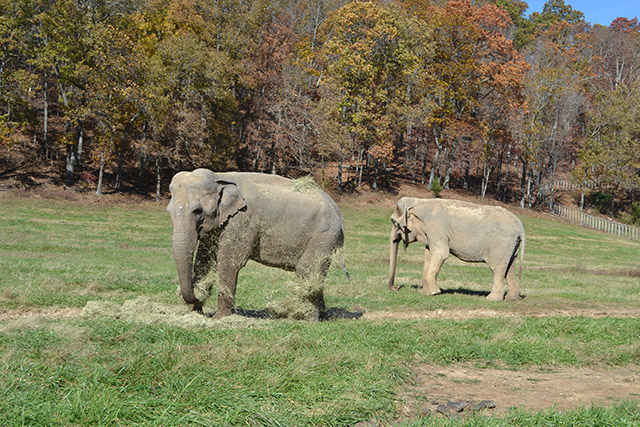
x: 197, y: 211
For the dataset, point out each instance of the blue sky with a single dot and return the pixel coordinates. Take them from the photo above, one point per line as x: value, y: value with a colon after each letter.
x: 595, y: 11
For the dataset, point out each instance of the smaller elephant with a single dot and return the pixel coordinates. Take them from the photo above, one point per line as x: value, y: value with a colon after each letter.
x: 471, y: 232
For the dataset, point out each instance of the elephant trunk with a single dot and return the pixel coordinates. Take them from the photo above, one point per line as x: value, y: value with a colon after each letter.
x: 393, y: 257
x: 184, y: 244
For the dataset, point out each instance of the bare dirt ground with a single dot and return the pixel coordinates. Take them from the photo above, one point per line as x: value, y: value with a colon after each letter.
x: 465, y: 314
x: 557, y: 388
x: 532, y: 389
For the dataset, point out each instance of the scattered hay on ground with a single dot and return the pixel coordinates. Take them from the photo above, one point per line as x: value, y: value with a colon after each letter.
x: 145, y: 310
x: 306, y: 296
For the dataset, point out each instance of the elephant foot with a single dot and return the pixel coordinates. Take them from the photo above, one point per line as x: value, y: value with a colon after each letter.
x: 495, y: 296
x: 432, y: 291
x: 513, y: 296
x: 220, y: 313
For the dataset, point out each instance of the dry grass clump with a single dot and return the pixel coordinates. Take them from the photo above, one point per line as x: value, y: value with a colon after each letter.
x: 306, y: 184
x: 145, y: 310
x: 303, y: 302
x: 202, y: 288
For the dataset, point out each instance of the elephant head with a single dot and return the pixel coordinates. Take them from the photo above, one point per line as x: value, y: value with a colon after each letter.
x: 405, y: 227
x: 200, y: 203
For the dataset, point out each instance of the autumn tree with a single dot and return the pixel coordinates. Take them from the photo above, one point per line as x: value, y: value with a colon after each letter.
x: 365, y: 59
x: 610, y: 153
x: 472, y: 79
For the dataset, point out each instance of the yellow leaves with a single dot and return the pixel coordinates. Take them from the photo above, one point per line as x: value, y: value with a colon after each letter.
x: 367, y: 64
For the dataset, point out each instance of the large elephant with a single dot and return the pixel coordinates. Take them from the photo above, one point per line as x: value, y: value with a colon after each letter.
x: 473, y: 233
x: 228, y: 218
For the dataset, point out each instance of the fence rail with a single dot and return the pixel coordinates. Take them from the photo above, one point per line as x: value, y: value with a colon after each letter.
x: 597, y: 223
x: 568, y: 185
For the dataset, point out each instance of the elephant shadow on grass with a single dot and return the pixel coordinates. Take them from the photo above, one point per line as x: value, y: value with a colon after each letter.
x: 334, y: 313
x: 458, y: 290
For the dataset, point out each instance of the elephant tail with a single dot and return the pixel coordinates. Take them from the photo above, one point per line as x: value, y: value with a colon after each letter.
x: 521, y: 257
x: 344, y: 267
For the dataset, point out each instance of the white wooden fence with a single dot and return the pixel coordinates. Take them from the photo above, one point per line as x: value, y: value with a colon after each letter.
x: 597, y: 223
x: 567, y: 185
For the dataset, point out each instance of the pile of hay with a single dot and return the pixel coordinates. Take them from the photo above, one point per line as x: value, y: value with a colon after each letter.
x: 301, y: 305
x: 145, y: 310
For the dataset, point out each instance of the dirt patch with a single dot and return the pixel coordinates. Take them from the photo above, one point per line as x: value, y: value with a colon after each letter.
x: 620, y: 272
x: 466, y: 314
x: 531, y: 389
x: 163, y: 312
x: 49, y: 313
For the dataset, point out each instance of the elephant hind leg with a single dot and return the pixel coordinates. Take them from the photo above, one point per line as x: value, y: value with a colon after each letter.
x: 514, y: 290
x: 312, y: 268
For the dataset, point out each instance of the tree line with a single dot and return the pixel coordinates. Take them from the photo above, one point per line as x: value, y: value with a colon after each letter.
x: 459, y: 93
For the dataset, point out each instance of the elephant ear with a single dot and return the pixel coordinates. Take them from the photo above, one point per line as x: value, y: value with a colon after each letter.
x: 230, y: 201
x: 401, y: 218
x: 405, y: 226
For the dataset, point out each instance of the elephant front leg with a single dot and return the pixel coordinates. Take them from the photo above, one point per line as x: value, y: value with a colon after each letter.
x: 432, y: 264
x: 227, y: 282
x: 233, y: 254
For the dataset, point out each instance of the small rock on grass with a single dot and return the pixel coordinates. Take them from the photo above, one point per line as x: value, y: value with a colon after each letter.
x: 456, y: 408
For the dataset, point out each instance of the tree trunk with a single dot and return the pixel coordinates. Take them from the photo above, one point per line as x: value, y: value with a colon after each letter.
x: 374, y: 184
x: 339, y: 177
x: 436, y: 159
x: 486, y: 172
x: 505, y: 187
x: 158, y: 179
x: 100, y: 174
x: 143, y: 156
x: 466, y: 177
x: 499, y: 176
x: 119, y: 173
x: 523, y: 183
x: 45, y: 120
x: 434, y: 165
x: 71, y: 162
x: 358, y: 174
x: 80, y: 139
x: 553, y: 180
x: 447, y: 168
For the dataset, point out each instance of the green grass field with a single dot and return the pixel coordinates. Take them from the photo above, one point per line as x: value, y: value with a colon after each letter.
x: 60, y: 366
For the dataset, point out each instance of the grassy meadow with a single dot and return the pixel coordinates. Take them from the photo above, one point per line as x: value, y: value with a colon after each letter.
x: 62, y: 366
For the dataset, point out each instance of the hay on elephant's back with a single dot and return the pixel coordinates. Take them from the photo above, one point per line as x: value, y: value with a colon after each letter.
x: 306, y: 184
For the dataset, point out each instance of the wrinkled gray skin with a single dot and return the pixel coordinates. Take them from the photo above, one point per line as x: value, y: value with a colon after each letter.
x: 233, y: 217
x: 473, y: 233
